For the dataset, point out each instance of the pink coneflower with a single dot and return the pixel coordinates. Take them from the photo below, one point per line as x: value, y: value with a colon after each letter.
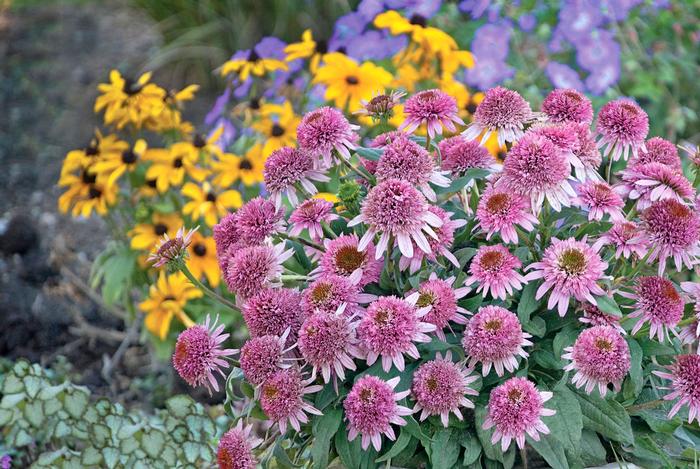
x: 171, y: 251
x: 395, y: 208
x: 593, y: 316
x: 569, y: 268
x: 693, y: 289
x: 371, y: 408
x: 495, y: 268
x: 257, y: 219
x: 439, y: 388
x: 272, y: 311
x: 389, y: 328
x: 328, y: 343
x: 404, y: 159
x: 441, y: 297
x: 658, y: 150
x: 586, y: 150
x: 502, y: 111
x: 251, y: 268
x: 568, y: 105
x: 658, y: 303
x: 261, y: 357
x: 440, y: 245
x: 565, y: 138
x: 385, y: 138
x: 199, y: 354
x: 343, y: 257
x: 433, y: 108
x: 326, y: 129
x: 235, y: 449
x: 622, y: 126
x: 516, y: 408
x: 329, y: 292
x: 647, y: 183
x: 535, y: 167
x: 625, y: 237
x: 600, y: 356
x: 381, y: 106
x: 599, y: 199
x: 288, y: 168
x: 673, y: 231
x: 282, y: 399
x: 309, y: 215
x: 684, y: 375
x: 500, y: 211
x: 494, y: 337
x: 226, y: 234
x: 459, y: 155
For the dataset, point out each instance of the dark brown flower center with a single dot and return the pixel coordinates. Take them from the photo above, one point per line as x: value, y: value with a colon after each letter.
x: 253, y: 56
x: 199, y: 249
x: 418, y: 20
x: 348, y: 259
x: 629, y: 107
x: 431, y: 383
x: 604, y: 345
x: 245, y: 164
x: 572, y: 261
x: 491, y: 260
x: 426, y: 298
x: 270, y: 392
x: 177, y: 163
x: 199, y: 141
x: 88, y: 177
x: 92, y: 149
x: 515, y: 395
x: 254, y: 104
x: 151, y: 183
x: 572, y: 95
x: 322, y: 46
x: 493, y: 325
x: 471, y: 107
x: 498, y: 202
x: 352, y: 80
x: 94, y: 192
x: 131, y: 87
x: 321, y: 292
x: 366, y: 395
x: 169, y: 298
x: 160, y: 229
x: 383, y: 317
x: 211, y: 197
x: 129, y: 157
x: 277, y: 130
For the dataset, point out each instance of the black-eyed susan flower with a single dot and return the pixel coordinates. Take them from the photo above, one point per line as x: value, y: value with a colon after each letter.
x: 247, y: 168
x: 170, y: 166
x: 202, y: 260
x: 86, y: 192
x: 114, y: 164
x: 167, y: 299
x: 209, y: 204
x: 100, y: 147
x: 126, y: 101
x: 208, y: 145
x: 307, y: 48
x: 278, y: 125
x: 251, y: 64
x: 145, y: 236
x: 347, y: 82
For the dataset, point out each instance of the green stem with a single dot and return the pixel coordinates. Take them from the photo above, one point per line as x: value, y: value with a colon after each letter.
x: 292, y: 277
x: 427, y: 142
x: 328, y: 230
x: 645, y: 405
x: 301, y: 240
x: 608, y: 172
x: 368, y: 177
x: 207, y: 291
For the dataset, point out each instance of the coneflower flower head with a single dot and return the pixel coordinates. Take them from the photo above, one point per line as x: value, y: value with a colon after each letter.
x: 673, y: 231
x: 459, y: 155
x: 494, y: 337
x: 261, y: 357
x: 684, y: 375
x: 516, y: 409
x: 658, y: 150
x: 389, y: 328
x: 328, y: 293
x: 500, y: 211
x: 625, y: 237
x: 309, y: 215
x: 381, y: 106
x: 649, y: 182
x: 226, y: 234
x: 395, y: 208
x: 657, y: 302
x: 257, y: 219
x: 494, y: 268
x: 326, y: 129
x: 272, y: 311
x: 568, y: 105
x: 433, y: 108
x: 622, y: 126
x: 570, y: 268
x: 199, y: 354
x: 600, y: 356
x: 441, y: 297
x: 586, y: 150
x: 502, y: 111
x: 253, y: 268
x: 404, y: 159
x: 172, y: 252
x: 343, y: 257
x: 285, y: 169
x: 371, y: 409
x: 235, y: 450
x: 282, y: 399
x: 440, y: 387
x: 599, y: 199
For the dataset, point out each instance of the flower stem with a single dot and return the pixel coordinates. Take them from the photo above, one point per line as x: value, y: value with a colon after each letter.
x: 207, y: 291
x: 328, y: 230
x: 368, y: 177
x: 301, y: 240
x: 645, y: 405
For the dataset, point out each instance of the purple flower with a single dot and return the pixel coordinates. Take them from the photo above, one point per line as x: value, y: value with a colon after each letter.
x: 218, y: 108
x: 488, y: 73
x: 618, y: 10
x: 491, y: 40
x: 424, y: 8
x: 597, y: 50
x: 563, y: 76
x: 577, y: 18
x: 476, y: 8
x: 527, y: 22
x: 603, y: 78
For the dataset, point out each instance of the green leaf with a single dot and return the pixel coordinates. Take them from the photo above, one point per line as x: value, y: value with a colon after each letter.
x: 608, y: 305
x: 281, y: 456
x: 9, y: 401
x: 34, y: 413
x: 351, y: 453
x: 369, y: 153
x: 91, y: 456
x: 491, y: 451
x: 566, y: 425
x: 12, y: 384
x: 652, y: 348
x: 191, y: 451
x: 551, y: 450
x: 324, y: 428
x: 180, y: 406
x: 635, y: 382
x: 76, y: 403
x: 32, y: 385
x: 111, y: 457
x: 152, y: 443
x: 606, y: 417
x: 401, y: 443
x: 527, y: 304
x: 445, y: 448
x: 592, y: 451
x: 5, y: 416
x: 472, y: 448
x: 49, y: 392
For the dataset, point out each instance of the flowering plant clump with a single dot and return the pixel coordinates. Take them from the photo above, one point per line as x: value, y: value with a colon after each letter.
x: 446, y: 314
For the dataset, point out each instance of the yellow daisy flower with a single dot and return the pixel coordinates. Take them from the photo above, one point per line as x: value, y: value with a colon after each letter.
x: 99, y: 148
x: 208, y: 145
x: 202, y: 261
x: 347, y: 82
x: 406, y: 78
x: 87, y: 192
x: 167, y: 299
x: 278, y: 125
x: 253, y: 64
x: 146, y: 236
x: 170, y: 166
x: 115, y: 164
x: 307, y: 49
x: 125, y: 101
x: 208, y: 204
x: 248, y: 168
